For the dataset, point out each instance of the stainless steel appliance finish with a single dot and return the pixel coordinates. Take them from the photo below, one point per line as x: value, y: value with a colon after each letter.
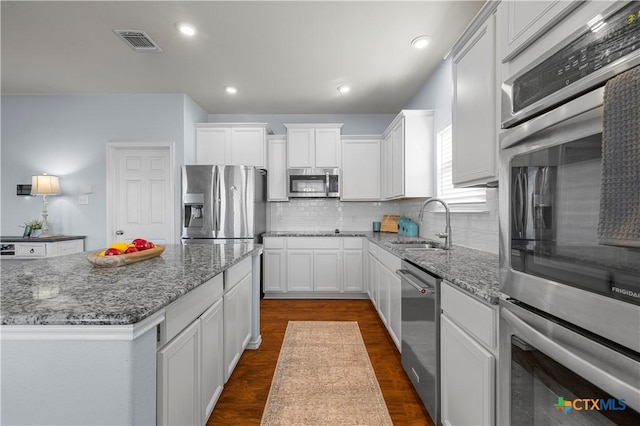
x: 223, y: 202
x: 604, y: 47
x: 556, y: 372
x: 420, y: 322
x: 313, y: 183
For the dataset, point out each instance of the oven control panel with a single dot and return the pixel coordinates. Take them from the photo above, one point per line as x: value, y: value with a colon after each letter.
x: 603, y: 42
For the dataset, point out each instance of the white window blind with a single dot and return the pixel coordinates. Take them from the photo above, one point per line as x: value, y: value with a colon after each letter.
x: 446, y: 191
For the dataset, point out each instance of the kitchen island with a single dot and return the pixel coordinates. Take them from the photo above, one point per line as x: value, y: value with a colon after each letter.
x: 80, y: 343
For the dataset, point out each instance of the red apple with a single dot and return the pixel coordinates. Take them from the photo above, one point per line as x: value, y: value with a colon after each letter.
x: 150, y: 245
x: 131, y: 250
x: 140, y: 244
x: 112, y: 252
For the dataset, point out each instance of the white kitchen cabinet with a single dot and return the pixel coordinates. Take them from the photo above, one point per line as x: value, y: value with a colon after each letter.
x: 468, y: 350
x: 314, y: 145
x: 300, y: 270
x: 385, y: 290
x: 327, y: 270
x: 467, y: 369
x: 179, y: 379
x: 237, y: 315
x: 275, y: 265
x: 212, y: 359
x: 475, y: 104
x: 232, y: 143
x: 525, y: 21
x: 353, y: 265
x: 407, y: 156
x: 360, y: 179
x: 40, y: 249
x: 277, y: 168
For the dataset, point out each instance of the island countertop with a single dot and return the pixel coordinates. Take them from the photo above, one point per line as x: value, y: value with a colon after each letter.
x: 68, y: 290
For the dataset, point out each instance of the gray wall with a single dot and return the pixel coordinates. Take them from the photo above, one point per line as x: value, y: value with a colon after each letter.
x: 354, y: 124
x: 436, y: 94
x: 66, y: 135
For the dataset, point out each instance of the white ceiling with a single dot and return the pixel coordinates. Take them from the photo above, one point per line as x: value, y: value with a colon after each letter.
x: 284, y: 56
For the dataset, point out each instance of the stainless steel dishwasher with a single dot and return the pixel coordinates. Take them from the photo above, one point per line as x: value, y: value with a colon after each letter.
x: 421, y: 334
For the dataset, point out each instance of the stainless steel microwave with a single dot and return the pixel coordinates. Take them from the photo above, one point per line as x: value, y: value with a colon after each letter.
x: 313, y: 183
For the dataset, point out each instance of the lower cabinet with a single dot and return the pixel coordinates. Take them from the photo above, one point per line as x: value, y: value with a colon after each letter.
x: 313, y: 266
x: 384, y: 290
x: 468, y: 359
x: 201, y: 340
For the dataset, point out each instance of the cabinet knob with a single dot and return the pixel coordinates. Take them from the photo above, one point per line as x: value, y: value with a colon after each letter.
x: 32, y: 251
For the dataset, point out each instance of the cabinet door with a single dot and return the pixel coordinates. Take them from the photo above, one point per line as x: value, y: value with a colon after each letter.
x: 360, y: 170
x: 232, y: 309
x: 397, y: 160
x: 212, y: 358
x: 179, y: 379
x: 327, y: 148
x: 211, y: 146
x: 277, y: 167
x: 474, y: 128
x: 386, y: 161
x: 299, y: 270
x: 395, y: 309
x: 327, y: 271
x: 353, y: 271
x: 274, y: 271
x: 244, y: 320
x: 300, y: 147
x: 248, y: 147
x: 383, y: 293
x: 467, y: 369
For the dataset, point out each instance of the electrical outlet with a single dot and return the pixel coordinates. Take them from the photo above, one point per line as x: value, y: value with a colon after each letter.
x: 83, y: 199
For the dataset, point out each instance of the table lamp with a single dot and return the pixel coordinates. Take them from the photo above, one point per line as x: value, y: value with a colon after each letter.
x: 45, y: 185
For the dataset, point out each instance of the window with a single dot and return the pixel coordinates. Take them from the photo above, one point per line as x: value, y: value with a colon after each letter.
x: 445, y: 189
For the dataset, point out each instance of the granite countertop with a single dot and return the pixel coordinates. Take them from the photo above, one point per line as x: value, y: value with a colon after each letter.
x: 68, y: 290
x: 51, y: 239
x: 474, y: 271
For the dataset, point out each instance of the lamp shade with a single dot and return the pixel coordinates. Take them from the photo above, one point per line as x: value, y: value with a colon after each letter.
x: 45, y: 185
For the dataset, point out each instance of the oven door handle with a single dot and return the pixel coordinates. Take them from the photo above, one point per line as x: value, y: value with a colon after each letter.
x: 574, y: 361
x: 421, y: 286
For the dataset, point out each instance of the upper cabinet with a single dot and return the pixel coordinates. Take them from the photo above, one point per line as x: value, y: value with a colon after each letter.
x: 360, y: 168
x: 525, y: 21
x: 407, y: 156
x: 241, y: 144
x: 314, y: 145
x: 476, y: 102
x: 277, y: 168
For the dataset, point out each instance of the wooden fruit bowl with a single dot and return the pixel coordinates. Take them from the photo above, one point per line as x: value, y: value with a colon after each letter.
x: 125, y: 259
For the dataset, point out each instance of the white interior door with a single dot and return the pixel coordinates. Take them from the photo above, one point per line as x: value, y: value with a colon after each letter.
x: 141, y: 192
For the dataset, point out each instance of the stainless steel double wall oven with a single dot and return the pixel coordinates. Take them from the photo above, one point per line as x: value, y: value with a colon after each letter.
x: 570, y: 318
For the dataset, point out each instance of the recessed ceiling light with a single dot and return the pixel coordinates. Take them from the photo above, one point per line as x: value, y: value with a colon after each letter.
x: 344, y: 89
x: 232, y: 90
x: 186, y: 28
x: 421, y: 42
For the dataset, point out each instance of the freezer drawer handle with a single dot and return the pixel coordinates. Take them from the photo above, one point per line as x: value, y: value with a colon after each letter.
x: 407, y: 276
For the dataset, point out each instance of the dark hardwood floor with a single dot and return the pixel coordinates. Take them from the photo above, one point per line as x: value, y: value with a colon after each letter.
x: 245, y: 394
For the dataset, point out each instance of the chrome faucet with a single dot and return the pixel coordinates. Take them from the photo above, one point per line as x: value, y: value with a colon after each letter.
x: 447, y: 230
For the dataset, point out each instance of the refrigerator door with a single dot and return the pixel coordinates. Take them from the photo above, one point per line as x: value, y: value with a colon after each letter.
x: 234, y: 207
x: 197, y: 202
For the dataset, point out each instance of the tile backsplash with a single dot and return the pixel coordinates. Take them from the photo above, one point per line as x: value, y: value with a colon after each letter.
x: 476, y: 229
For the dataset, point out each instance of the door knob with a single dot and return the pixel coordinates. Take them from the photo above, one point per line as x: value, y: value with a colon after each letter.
x: 119, y: 232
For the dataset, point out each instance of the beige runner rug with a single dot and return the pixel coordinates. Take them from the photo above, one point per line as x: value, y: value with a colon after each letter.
x: 324, y: 377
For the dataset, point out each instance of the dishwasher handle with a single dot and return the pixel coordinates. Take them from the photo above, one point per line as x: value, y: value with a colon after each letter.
x: 412, y: 280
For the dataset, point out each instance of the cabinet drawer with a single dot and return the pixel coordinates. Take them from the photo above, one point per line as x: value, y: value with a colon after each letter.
x: 353, y: 243
x: 31, y: 250
x: 475, y: 317
x: 69, y: 247
x: 274, y: 243
x: 186, y: 309
x: 389, y: 260
x: 314, y: 243
x: 237, y: 272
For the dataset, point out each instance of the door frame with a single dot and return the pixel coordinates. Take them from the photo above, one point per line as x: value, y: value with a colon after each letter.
x: 113, y: 148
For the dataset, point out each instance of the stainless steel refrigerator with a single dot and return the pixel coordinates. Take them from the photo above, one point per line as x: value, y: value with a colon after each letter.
x: 221, y: 203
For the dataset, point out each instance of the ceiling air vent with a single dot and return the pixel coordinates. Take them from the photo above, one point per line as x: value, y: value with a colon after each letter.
x: 138, y: 40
